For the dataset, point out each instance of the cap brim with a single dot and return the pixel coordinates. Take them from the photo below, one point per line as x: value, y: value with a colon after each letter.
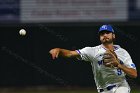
x: 105, y: 30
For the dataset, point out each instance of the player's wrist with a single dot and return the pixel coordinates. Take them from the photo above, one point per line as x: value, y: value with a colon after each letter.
x: 119, y: 66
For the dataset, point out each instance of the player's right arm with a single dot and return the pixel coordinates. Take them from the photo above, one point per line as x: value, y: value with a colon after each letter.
x: 63, y: 52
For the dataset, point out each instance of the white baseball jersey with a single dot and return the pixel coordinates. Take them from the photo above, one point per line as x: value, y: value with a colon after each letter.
x: 106, y: 76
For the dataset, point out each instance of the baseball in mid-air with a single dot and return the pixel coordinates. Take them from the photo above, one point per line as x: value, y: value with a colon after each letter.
x: 22, y: 32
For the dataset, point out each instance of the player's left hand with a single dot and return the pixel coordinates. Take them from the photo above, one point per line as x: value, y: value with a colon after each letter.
x: 110, y: 59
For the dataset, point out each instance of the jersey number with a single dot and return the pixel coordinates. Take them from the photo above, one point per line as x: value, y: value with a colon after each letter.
x: 119, y: 72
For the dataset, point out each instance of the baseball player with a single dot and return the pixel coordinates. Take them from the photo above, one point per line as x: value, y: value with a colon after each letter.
x: 110, y: 63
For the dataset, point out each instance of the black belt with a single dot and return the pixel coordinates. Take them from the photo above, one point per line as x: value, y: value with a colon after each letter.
x: 108, y: 88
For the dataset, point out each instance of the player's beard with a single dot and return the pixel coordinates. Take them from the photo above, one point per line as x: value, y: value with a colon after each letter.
x: 107, y: 40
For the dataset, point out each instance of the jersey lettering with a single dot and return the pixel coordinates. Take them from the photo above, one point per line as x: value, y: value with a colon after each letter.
x: 100, y: 62
x: 133, y: 65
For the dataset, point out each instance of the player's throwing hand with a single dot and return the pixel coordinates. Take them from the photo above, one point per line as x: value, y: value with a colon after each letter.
x: 54, y: 52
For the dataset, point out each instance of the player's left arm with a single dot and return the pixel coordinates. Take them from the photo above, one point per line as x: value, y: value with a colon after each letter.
x: 129, y: 71
x: 111, y: 60
x: 128, y: 66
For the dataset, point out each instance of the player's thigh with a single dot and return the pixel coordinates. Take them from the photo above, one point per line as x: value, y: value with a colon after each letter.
x: 122, y: 90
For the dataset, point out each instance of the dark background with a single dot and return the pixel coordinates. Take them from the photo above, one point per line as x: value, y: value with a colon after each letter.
x: 25, y: 60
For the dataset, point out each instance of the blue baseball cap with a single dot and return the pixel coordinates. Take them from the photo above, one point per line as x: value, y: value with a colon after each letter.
x: 106, y: 28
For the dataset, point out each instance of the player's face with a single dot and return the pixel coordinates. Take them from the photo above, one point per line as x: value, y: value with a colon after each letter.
x: 106, y: 37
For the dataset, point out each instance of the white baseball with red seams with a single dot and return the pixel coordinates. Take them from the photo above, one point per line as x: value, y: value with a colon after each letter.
x: 22, y: 32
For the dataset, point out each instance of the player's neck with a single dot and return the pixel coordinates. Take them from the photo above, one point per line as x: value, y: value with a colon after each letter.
x: 109, y: 46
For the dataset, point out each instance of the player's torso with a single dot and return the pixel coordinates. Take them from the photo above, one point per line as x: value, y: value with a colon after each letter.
x: 106, y: 75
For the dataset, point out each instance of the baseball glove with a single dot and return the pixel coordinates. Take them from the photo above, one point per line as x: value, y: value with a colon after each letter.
x: 110, y: 59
